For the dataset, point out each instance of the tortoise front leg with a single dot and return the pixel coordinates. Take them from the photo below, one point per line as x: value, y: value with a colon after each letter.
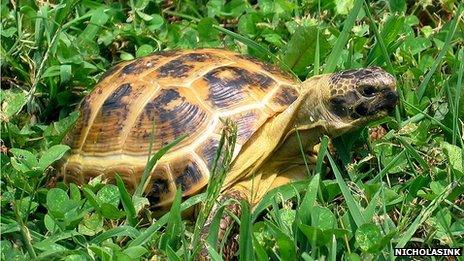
x: 227, y: 223
x: 252, y: 190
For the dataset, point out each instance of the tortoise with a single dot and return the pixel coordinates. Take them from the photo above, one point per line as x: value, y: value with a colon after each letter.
x: 189, y: 92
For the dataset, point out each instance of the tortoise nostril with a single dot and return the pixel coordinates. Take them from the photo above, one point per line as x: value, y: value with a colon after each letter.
x: 392, y: 96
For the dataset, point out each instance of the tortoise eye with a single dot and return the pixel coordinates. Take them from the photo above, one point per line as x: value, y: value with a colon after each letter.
x: 368, y: 90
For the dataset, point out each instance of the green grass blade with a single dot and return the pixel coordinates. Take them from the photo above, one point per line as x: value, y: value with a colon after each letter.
x: 450, y: 131
x: 321, y: 154
x: 246, y: 233
x: 150, y: 232
x: 174, y: 225
x: 213, y: 254
x: 171, y: 254
x: 353, y: 207
x: 457, y: 94
x: 342, y: 39
x: 126, y: 202
x: 317, y: 52
x: 250, y: 43
x: 220, y: 168
x: 425, y: 213
x: 370, y: 209
x: 285, y: 192
x: 390, y: 165
x: 379, y: 38
x: 214, y: 226
x: 309, y: 201
x: 441, y: 54
x: 151, y: 164
x: 333, y: 249
x: 413, y: 152
x: 303, y: 154
x: 24, y: 231
x: 56, y: 255
x: 275, y: 213
x: 126, y: 231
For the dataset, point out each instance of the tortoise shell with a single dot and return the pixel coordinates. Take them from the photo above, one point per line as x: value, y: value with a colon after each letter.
x: 182, y: 92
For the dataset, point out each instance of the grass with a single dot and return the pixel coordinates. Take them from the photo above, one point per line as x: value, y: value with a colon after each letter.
x: 395, y: 183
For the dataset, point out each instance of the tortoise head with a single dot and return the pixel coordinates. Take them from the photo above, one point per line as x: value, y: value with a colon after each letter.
x: 349, y: 99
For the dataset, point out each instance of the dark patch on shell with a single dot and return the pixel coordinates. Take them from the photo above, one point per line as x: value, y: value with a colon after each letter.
x: 208, y: 151
x: 165, y: 97
x: 168, y: 53
x: 142, y: 64
x: 189, y: 176
x: 173, y: 115
x: 110, y: 72
x: 114, y: 101
x: 286, y: 96
x: 179, y: 67
x: 225, y: 91
x: 195, y: 57
x: 133, y: 67
x: 159, y: 188
x: 183, y: 118
x: 86, y: 109
x: 246, y: 125
x: 174, y: 68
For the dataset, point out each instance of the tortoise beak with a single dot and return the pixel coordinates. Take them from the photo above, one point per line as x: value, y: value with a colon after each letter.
x: 385, y: 101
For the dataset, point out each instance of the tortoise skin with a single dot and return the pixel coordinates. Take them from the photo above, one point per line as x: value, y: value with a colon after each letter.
x: 177, y: 92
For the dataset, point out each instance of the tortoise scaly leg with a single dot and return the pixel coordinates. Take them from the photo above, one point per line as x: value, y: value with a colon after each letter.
x: 252, y: 190
x: 227, y: 223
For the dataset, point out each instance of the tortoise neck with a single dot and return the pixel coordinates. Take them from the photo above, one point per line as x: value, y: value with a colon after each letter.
x: 314, y: 109
x: 300, y: 127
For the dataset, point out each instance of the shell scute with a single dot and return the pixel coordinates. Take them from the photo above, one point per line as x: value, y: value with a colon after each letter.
x: 174, y: 114
x: 175, y: 68
x: 188, y: 175
x: 247, y: 123
x: 182, y: 65
x: 74, y: 138
x: 286, y: 96
x: 186, y: 66
x: 106, y: 132
x: 115, y: 100
x: 229, y: 87
x: 161, y: 189
x: 141, y: 65
x: 207, y: 150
